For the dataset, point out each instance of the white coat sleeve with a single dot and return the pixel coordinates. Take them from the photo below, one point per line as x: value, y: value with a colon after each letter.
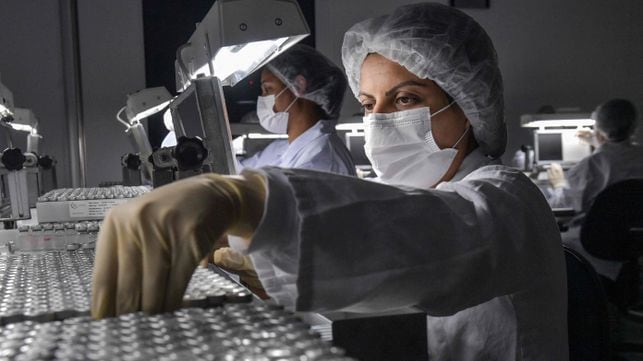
x: 585, y: 181
x: 362, y: 246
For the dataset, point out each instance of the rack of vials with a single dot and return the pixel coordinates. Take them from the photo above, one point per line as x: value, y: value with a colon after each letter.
x: 48, y: 286
x: 252, y: 332
x: 45, y: 301
x: 74, y: 204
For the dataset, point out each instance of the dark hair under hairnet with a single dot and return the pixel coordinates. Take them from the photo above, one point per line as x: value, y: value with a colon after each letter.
x: 440, y: 43
x: 325, y: 81
x: 616, y: 118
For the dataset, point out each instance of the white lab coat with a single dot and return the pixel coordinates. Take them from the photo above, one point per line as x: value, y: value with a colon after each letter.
x: 610, y: 163
x: 318, y: 148
x: 481, y: 255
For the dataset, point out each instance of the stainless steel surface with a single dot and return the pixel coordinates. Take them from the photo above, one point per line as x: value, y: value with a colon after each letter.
x: 213, y: 116
x: 73, y: 91
x: 14, y: 182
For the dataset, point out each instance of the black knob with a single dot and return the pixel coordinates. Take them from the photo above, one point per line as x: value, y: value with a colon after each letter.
x: 13, y: 159
x: 46, y: 162
x: 190, y: 153
x: 131, y: 161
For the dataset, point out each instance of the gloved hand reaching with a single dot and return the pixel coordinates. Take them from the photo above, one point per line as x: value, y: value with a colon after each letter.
x: 556, y: 176
x: 587, y: 136
x: 148, y: 248
x: 234, y: 262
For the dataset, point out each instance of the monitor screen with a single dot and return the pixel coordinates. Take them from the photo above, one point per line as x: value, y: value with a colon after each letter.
x: 559, y: 146
x: 549, y: 147
x: 187, y: 111
x: 355, y: 144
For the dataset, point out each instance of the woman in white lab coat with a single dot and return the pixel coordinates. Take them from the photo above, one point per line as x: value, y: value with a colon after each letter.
x: 471, y: 242
x: 615, y: 159
x: 301, y: 95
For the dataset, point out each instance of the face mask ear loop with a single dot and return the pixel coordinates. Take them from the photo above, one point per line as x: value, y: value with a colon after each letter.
x: 281, y: 92
x: 291, y: 104
x: 443, y: 109
x: 462, y: 136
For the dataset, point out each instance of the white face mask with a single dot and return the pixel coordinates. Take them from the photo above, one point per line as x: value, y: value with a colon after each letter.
x: 274, y: 122
x: 402, y: 149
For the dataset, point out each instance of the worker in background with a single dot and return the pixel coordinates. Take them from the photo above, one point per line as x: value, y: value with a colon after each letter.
x: 616, y: 158
x: 301, y: 95
x: 471, y: 242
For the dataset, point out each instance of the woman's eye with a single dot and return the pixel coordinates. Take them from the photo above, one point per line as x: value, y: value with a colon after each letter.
x: 368, y: 107
x: 266, y: 90
x: 406, y: 101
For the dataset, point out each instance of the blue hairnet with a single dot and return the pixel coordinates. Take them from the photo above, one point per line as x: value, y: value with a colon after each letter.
x: 616, y: 118
x: 325, y: 82
x: 445, y: 45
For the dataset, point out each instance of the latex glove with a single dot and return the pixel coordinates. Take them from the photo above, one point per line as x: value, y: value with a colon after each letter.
x: 234, y: 262
x: 556, y: 176
x: 587, y: 136
x: 148, y: 248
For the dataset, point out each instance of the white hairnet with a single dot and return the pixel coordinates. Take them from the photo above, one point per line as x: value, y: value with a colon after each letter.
x: 324, y: 82
x: 445, y: 45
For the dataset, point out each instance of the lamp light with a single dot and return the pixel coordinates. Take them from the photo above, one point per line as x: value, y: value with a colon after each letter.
x: 146, y: 102
x: 6, y: 102
x: 24, y: 120
x: 237, y: 37
x: 556, y: 120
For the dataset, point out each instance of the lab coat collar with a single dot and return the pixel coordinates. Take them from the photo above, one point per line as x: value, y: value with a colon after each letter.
x: 473, y: 161
x: 615, y: 145
x: 320, y: 128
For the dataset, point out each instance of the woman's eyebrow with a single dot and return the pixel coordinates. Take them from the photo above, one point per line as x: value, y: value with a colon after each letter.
x: 365, y: 94
x: 403, y: 84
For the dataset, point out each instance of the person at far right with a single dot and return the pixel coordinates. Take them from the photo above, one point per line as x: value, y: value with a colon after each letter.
x: 615, y: 159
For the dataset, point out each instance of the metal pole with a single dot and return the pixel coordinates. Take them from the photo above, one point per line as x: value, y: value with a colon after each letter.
x: 73, y: 90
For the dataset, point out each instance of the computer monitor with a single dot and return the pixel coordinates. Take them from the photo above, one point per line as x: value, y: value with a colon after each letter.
x: 559, y: 146
x: 355, y: 144
x: 187, y: 120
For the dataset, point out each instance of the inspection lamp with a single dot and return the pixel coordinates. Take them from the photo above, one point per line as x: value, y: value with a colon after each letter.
x: 140, y: 105
x: 234, y: 39
x: 24, y: 120
x: 146, y: 102
x: 237, y: 37
x: 556, y: 120
x: 6, y: 103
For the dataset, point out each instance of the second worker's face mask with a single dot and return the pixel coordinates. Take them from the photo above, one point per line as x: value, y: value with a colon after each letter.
x: 402, y: 150
x: 274, y: 122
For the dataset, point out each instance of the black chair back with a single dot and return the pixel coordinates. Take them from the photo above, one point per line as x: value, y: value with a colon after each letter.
x: 613, y: 227
x: 587, y: 315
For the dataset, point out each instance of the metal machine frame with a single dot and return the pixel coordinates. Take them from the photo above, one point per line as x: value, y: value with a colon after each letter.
x: 213, y: 116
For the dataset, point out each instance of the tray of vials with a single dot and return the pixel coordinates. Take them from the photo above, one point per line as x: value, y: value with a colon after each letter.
x: 252, y: 332
x: 75, y: 204
x: 47, y: 286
